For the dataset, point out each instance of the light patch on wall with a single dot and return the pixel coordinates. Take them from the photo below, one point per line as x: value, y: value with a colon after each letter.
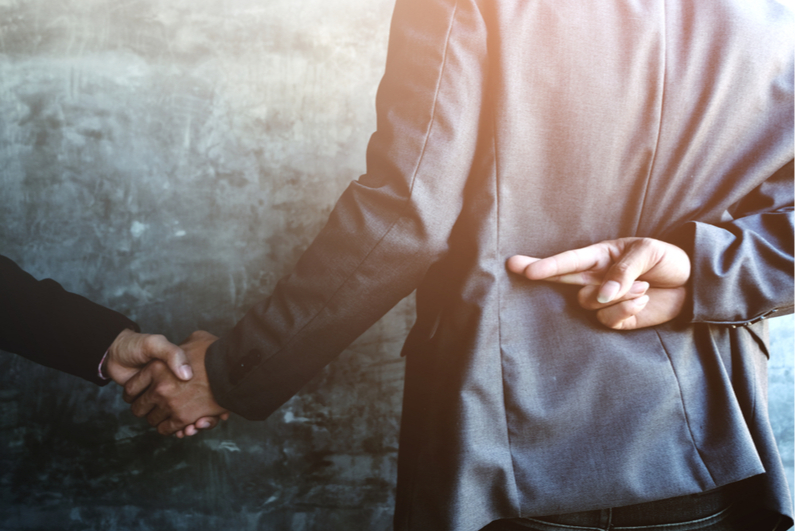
x: 218, y: 446
x: 289, y: 417
x: 137, y: 229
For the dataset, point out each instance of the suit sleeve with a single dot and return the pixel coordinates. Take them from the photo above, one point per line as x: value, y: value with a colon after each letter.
x: 46, y: 324
x: 742, y: 269
x: 386, y: 229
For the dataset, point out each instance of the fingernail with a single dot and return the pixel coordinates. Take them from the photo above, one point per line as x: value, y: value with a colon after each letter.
x: 185, y: 372
x: 608, y: 291
x: 639, y: 287
x: 641, y: 301
x: 203, y: 424
x: 518, y: 263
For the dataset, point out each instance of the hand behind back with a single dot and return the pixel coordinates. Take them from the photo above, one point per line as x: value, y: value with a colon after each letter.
x: 630, y: 282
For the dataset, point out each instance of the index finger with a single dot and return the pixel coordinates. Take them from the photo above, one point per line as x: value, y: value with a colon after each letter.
x: 576, y: 266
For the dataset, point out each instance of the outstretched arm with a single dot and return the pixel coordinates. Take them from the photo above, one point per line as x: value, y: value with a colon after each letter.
x: 49, y: 325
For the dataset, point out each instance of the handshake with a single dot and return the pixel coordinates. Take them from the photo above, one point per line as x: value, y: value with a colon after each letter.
x: 164, y: 382
x: 629, y: 283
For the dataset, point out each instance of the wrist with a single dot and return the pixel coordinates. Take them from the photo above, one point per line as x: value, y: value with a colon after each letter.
x: 102, y: 370
x: 113, y: 364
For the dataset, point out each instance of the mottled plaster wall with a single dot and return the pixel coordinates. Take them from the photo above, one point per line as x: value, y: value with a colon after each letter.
x: 171, y: 160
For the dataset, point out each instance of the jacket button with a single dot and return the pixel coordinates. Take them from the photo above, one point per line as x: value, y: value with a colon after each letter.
x: 250, y: 360
x: 246, y: 363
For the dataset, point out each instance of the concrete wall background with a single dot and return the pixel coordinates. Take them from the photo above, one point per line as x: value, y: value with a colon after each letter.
x: 171, y: 160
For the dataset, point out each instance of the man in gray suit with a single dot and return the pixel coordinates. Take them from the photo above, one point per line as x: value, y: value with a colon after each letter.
x: 531, y: 128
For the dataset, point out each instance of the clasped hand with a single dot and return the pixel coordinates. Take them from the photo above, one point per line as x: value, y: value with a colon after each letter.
x: 173, y: 405
x: 630, y: 282
x: 170, y: 379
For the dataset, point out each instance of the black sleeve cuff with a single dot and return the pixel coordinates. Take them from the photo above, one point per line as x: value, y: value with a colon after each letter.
x: 51, y: 326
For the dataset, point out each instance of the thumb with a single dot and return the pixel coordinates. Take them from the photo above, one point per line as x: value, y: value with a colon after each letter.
x: 158, y: 347
x: 620, y: 277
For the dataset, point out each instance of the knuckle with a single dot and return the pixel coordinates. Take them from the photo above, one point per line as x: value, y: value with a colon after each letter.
x: 158, y: 368
x: 649, y: 246
x: 131, y: 385
x: 155, y: 342
x: 163, y: 389
x: 622, y: 267
x: 608, y: 319
x: 611, y: 321
x: 150, y: 341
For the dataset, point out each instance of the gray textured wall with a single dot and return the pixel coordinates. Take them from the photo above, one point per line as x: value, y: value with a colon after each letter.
x: 171, y: 160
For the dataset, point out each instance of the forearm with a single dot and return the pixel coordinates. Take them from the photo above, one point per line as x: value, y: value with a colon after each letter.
x: 742, y: 269
x: 51, y: 326
x: 387, y: 228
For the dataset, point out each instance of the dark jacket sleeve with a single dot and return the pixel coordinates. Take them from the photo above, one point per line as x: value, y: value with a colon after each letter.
x: 742, y: 268
x: 386, y: 229
x: 46, y: 324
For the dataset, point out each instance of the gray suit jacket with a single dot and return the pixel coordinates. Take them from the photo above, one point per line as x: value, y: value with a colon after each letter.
x: 536, y: 126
